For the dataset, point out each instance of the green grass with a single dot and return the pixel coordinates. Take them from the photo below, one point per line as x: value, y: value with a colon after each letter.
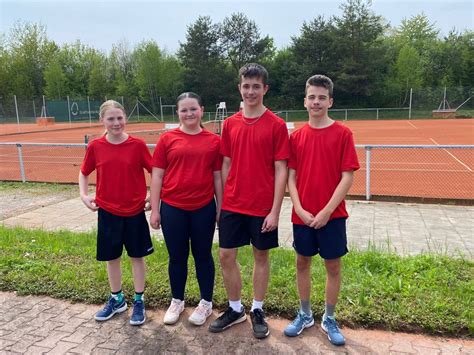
x: 38, y: 188
x: 425, y: 293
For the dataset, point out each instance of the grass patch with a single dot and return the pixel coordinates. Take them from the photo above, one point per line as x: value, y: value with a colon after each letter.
x: 38, y: 188
x: 425, y: 293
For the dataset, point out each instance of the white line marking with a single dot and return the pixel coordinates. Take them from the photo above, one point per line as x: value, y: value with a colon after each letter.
x: 411, y: 124
x: 459, y: 161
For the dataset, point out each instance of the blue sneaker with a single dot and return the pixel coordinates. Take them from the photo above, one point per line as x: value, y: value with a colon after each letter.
x: 110, y: 309
x: 335, y: 336
x: 301, y: 322
x: 138, y: 314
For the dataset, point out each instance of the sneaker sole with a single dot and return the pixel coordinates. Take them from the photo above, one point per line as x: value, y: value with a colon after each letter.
x: 326, y: 331
x: 301, y: 330
x: 194, y: 322
x: 137, y: 322
x: 117, y: 311
x: 172, y: 321
x: 261, y: 335
x: 237, y: 321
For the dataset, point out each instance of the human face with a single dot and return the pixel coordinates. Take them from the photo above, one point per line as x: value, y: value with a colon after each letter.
x: 317, y: 102
x: 190, y: 113
x: 114, y: 120
x: 252, y: 91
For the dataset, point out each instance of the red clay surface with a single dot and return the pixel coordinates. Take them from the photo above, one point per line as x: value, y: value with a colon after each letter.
x: 429, y: 173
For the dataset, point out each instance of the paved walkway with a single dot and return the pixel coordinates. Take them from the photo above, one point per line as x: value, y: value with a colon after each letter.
x: 44, y: 325
x: 35, y: 325
x: 404, y: 228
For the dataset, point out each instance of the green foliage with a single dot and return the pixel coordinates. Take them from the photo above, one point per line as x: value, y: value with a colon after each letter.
x: 427, y: 293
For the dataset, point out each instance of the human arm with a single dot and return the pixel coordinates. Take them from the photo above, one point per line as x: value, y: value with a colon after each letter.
x: 155, y: 193
x: 218, y: 192
x: 225, y: 169
x: 304, y: 215
x: 84, y: 192
x: 270, y: 222
x: 338, y: 195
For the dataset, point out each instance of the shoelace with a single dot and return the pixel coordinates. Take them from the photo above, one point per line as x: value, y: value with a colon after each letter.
x: 259, y: 317
x: 332, y: 325
x: 201, y: 310
x: 174, y: 307
x: 138, y: 308
x: 299, y: 319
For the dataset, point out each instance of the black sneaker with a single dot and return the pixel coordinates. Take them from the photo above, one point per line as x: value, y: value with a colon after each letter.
x: 259, y: 325
x: 227, y: 319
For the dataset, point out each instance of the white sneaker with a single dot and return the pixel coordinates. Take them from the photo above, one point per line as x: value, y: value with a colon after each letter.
x: 175, y: 309
x: 200, y: 314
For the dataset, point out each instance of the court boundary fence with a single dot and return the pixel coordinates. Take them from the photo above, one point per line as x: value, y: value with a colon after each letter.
x: 367, y: 148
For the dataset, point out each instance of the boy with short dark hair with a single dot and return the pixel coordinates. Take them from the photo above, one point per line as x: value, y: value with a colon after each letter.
x: 255, y: 148
x: 322, y: 161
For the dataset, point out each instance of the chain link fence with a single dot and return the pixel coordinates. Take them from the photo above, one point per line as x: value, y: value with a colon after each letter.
x: 418, y: 171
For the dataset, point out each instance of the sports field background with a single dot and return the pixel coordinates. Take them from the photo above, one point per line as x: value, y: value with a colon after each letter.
x: 425, y: 173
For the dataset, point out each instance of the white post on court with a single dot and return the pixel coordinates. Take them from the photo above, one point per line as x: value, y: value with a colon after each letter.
x: 20, y: 160
x: 17, y: 115
x: 409, y: 107
x: 367, y: 173
x: 69, y: 110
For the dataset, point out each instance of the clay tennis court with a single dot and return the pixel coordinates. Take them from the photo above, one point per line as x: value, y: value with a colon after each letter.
x: 425, y: 173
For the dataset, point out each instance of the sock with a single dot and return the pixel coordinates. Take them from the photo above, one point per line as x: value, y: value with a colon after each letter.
x: 329, y: 310
x: 305, y: 307
x: 236, y: 305
x: 118, y: 296
x: 256, y: 304
x: 138, y: 296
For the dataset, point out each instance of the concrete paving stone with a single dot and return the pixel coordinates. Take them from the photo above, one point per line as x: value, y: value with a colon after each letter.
x: 100, y: 351
x: 34, y: 350
x: 62, y: 347
x: 79, y: 335
x: 71, y: 325
x: 421, y: 350
x: 51, y: 340
x: 4, y: 343
x: 86, y: 347
x: 24, y: 342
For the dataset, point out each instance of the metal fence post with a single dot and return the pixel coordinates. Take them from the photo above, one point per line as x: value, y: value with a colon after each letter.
x: 345, y: 118
x: 367, y: 172
x: 69, y: 110
x: 20, y: 159
x: 377, y: 114
x: 17, y: 115
x: 411, y: 97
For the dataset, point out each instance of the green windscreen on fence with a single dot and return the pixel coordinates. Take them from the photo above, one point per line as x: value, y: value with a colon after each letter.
x: 78, y: 110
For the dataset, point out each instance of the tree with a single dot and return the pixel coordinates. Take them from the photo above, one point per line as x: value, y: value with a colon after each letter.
x: 56, y: 86
x: 408, y: 72
x: 241, y: 41
x: 361, y: 67
x: 205, y: 72
x: 122, y: 70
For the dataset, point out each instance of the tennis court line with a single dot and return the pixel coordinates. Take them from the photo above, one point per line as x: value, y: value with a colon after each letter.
x: 459, y: 161
x: 411, y: 124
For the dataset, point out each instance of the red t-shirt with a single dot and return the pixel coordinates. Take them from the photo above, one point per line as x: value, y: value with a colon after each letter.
x: 189, y: 162
x: 253, y: 149
x: 319, y: 156
x: 121, y: 185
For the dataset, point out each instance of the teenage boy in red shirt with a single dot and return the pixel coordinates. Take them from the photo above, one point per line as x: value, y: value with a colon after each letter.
x: 321, y: 166
x: 255, y: 148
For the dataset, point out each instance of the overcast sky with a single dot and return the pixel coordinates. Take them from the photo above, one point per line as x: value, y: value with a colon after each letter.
x: 100, y: 23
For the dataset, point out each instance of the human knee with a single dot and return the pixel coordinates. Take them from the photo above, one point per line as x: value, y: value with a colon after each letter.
x: 227, y: 258
x: 333, y: 267
x: 303, y: 263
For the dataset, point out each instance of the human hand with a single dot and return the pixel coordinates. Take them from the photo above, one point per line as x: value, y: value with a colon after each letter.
x: 90, y: 203
x: 270, y: 223
x: 305, y: 216
x: 147, y: 204
x: 321, y: 219
x: 155, y: 220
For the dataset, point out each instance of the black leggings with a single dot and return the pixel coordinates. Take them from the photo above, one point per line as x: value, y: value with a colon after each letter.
x: 180, y: 227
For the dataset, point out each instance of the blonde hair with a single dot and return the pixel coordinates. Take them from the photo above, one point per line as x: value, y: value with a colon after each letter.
x: 108, y: 105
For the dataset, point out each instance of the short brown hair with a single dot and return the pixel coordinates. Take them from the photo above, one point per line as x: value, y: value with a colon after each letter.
x: 253, y: 70
x: 321, y: 81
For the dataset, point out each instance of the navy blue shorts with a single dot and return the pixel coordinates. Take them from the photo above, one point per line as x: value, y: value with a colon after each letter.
x: 330, y: 241
x: 237, y: 229
x: 114, y: 232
